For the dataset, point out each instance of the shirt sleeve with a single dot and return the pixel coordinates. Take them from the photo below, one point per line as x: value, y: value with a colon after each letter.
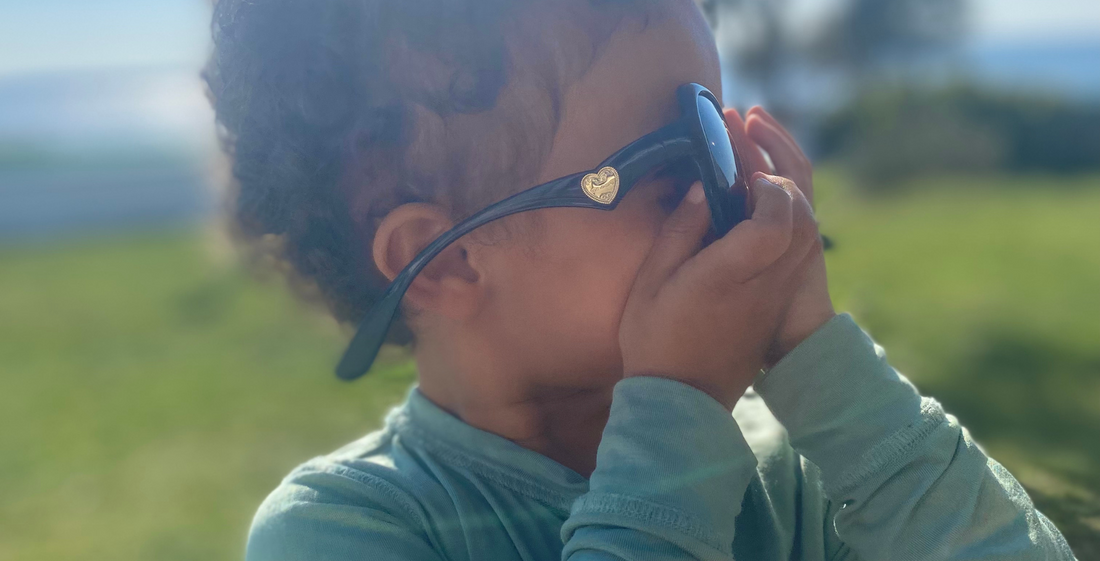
x: 671, y: 471
x: 909, y: 481
x: 330, y: 516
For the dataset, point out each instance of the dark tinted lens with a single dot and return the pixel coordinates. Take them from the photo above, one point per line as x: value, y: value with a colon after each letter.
x: 721, y: 151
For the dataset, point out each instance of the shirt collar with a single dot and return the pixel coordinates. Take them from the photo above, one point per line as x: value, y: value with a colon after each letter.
x: 424, y: 424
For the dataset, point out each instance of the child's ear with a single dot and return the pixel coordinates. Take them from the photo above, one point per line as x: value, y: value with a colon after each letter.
x: 449, y: 284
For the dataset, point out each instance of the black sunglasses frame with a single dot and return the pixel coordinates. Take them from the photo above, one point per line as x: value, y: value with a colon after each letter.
x: 683, y: 138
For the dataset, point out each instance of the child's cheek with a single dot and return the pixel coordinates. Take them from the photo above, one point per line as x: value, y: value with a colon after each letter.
x: 593, y: 267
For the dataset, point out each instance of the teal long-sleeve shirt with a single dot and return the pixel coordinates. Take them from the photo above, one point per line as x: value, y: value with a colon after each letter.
x: 834, y: 456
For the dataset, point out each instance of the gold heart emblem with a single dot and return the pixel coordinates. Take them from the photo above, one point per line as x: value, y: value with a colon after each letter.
x: 601, y: 186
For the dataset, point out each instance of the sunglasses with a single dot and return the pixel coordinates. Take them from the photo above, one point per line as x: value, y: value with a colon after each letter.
x: 699, y: 136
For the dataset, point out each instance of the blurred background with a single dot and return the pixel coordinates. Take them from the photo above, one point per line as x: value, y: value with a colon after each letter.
x: 152, y: 390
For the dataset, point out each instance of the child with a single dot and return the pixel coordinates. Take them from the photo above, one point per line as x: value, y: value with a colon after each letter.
x: 577, y: 369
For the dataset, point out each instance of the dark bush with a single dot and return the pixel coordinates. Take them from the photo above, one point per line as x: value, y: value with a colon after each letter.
x: 889, y: 135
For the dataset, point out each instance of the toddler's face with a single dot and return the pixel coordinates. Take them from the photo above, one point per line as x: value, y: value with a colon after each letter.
x: 564, y: 289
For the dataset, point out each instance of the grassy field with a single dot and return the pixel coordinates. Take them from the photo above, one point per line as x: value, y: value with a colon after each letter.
x: 151, y: 392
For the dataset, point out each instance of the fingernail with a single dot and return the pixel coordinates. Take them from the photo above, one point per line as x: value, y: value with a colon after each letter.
x: 696, y: 195
x: 763, y: 181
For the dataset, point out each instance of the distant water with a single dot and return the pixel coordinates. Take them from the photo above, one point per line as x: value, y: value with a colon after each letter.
x: 107, y: 149
x: 1070, y: 69
x: 47, y: 203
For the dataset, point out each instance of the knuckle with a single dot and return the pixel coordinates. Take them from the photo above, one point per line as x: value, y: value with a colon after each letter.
x: 808, y: 236
x: 676, y: 230
x: 770, y: 248
x: 719, y: 281
x: 817, y: 244
x: 774, y: 234
x: 684, y: 223
x: 803, y: 211
x: 798, y: 190
x: 676, y: 225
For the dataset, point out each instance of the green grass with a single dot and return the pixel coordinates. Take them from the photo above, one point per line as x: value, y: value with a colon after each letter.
x: 151, y: 392
x: 986, y: 293
x: 151, y: 395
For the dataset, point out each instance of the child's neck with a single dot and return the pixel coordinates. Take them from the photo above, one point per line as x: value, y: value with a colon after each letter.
x: 563, y: 424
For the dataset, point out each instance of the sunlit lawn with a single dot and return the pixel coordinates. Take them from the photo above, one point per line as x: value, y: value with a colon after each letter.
x: 151, y: 392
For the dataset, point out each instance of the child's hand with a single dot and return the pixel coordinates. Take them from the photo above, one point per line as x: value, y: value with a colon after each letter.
x: 708, y: 317
x: 812, y: 306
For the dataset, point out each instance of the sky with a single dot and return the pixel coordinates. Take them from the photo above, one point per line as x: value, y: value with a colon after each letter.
x: 91, y: 80
x: 50, y: 35
x: 1012, y: 21
x: 83, y: 72
x: 1023, y: 20
x: 105, y: 80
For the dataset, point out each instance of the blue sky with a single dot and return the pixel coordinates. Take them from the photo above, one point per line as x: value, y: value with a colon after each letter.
x: 82, y: 72
x: 45, y: 35
x: 38, y: 35
x: 95, y: 79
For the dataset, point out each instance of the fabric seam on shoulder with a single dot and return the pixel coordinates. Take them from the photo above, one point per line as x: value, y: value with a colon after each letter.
x: 403, y: 499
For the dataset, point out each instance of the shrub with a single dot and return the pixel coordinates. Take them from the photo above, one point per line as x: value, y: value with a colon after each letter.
x: 888, y: 135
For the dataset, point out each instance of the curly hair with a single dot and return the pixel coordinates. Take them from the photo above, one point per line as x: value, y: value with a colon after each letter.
x: 335, y: 112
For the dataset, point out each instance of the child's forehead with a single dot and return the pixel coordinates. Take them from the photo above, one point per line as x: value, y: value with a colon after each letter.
x: 578, y: 85
x: 630, y: 87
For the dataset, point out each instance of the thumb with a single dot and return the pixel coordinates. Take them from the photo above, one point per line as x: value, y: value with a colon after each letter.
x: 680, y: 238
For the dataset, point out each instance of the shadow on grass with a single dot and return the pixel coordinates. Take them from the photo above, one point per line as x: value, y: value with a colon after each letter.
x: 1071, y: 515
x: 1041, y: 398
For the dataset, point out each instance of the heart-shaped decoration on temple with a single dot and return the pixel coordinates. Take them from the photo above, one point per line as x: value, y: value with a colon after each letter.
x: 601, y: 186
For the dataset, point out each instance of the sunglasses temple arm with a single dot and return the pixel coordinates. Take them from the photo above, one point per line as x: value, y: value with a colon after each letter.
x: 652, y: 151
x: 633, y: 161
x: 371, y: 333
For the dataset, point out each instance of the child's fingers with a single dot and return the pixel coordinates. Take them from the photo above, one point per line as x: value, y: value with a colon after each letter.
x: 753, y: 160
x: 679, y: 239
x: 754, y: 244
x: 787, y: 157
x: 785, y: 153
x: 761, y: 113
x: 804, y: 232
